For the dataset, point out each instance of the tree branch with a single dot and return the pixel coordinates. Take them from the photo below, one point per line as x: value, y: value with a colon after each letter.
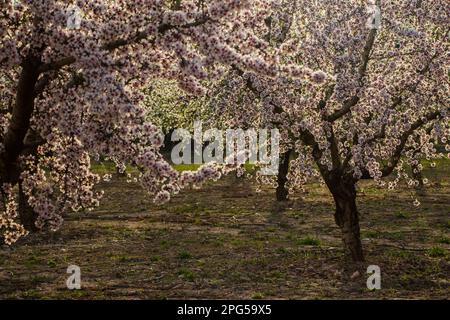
x: 404, y: 139
x: 118, y: 43
x: 395, y: 158
x: 351, y: 102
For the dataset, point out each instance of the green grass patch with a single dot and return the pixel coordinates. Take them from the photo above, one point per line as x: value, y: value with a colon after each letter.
x: 155, y: 258
x: 186, y: 274
x: 394, y: 235
x: 437, y: 252
x: 108, y: 167
x: 308, y: 241
x: 37, y: 279
x: 193, y: 167
x: 444, y: 240
x: 120, y: 258
x: 372, y: 234
x: 32, y: 261
x: 402, y: 215
x: 184, y: 255
x: 188, y: 208
x: 282, y: 250
x: 186, y: 167
x: 51, y: 263
x: 258, y: 296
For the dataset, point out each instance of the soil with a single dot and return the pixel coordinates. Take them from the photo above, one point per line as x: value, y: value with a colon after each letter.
x: 226, y: 241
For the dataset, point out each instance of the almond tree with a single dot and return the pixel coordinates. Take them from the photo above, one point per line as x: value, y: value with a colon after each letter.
x: 71, y: 83
x: 384, y: 107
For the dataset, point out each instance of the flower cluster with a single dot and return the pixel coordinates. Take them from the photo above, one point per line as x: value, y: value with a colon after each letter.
x: 87, y: 88
x: 382, y: 94
x: 10, y: 229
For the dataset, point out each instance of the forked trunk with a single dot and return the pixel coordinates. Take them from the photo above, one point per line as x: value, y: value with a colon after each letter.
x: 347, y: 218
x: 282, y: 192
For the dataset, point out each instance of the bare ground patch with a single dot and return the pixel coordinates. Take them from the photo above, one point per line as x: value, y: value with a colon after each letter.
x: 226, y: 241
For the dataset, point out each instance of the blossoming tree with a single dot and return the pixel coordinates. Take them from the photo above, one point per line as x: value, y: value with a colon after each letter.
x: 384, y: 108
x: 71, y: 83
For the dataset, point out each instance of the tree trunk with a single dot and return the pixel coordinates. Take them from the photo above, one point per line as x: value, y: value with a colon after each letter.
x: 347, y: 218
x: 27, y: 215
x: 20, y: 122
x: 282, y: 192
x: 14, y: 138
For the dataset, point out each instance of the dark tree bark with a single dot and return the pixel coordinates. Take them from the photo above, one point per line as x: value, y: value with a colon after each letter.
x: 27, y: 215
x: 20, y: 121
x: 14, y: 140
x: 347, y: 217
x: 282, y: 192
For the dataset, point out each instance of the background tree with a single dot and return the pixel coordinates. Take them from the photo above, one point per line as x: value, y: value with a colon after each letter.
x: 385, y: 107
x: 169, y: 107
x: 233, y: 91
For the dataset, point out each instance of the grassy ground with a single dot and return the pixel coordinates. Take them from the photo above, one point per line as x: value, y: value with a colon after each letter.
x: 226, y: 241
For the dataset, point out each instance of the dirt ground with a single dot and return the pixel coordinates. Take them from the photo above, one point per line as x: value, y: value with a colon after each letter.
x: 226, y: 241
